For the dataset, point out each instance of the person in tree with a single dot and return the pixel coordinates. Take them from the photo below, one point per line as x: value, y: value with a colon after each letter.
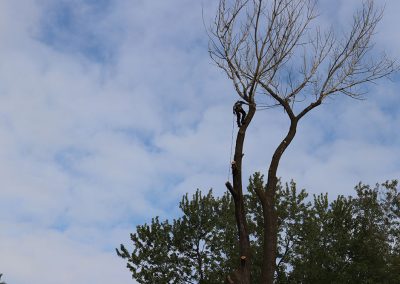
x: 239, y: 112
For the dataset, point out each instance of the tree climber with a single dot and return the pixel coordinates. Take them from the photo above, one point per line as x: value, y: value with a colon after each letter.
x: 239, y: 112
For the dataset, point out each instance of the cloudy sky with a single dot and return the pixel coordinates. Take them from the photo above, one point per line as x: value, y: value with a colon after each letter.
x: 110, y: 110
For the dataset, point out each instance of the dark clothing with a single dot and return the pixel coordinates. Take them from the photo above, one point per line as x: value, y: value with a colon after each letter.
x: 239, y: 112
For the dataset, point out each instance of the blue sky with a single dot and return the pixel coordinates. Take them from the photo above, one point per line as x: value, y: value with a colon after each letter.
x: 111, y: 110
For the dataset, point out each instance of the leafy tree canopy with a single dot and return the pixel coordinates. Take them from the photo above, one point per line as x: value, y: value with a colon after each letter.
x: 347, y: 240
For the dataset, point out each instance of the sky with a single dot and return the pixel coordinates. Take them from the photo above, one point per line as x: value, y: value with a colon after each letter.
x: 111, y: 110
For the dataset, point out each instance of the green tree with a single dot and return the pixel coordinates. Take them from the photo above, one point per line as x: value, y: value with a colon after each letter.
x: 201, y: 245
x: 196, y: 247
x: 349, y: 240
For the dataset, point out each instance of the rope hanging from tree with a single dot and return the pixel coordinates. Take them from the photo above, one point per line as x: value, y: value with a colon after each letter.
x: 231, y: 151
x: 259, y: 107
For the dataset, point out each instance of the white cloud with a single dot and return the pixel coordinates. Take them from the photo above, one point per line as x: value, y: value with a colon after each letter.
x: 50, y: 257
x: 91, y: 146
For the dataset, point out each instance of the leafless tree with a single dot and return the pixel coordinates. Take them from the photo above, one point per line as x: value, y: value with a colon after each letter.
x: 275, y: 49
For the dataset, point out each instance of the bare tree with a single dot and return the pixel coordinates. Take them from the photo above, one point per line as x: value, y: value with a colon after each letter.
x: 275, y: 49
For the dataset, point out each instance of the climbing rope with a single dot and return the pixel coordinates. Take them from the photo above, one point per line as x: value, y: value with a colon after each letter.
x: 259, y: 107
x: 231, y: 152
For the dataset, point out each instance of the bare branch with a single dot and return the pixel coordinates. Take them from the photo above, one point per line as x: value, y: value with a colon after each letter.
x: 258, y: 43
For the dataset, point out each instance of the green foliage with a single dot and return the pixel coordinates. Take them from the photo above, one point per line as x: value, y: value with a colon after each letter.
x: 292, y: 210
x: 196, y: 248
x: 349, y: 240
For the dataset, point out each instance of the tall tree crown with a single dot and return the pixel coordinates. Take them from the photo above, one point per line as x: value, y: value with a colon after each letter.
x: 276, y: 48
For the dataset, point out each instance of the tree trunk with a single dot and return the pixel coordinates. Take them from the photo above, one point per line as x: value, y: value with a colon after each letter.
x: 270, y: 239
x: 242, y: 274
x: 267, y: 199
